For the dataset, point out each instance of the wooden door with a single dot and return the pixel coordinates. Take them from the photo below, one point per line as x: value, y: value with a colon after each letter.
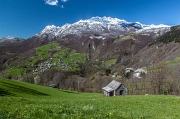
x: 120, y: 92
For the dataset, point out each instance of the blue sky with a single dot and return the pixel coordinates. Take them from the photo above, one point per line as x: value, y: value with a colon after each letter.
x: 25, y: 18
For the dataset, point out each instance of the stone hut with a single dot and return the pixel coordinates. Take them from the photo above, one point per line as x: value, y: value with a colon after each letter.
x: 114, y: 88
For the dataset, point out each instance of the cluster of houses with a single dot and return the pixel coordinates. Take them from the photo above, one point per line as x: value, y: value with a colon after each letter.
x: 48, y: 64
x: 138, y: 73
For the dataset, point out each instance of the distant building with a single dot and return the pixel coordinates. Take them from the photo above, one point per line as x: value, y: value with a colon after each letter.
x: 114, y: 88
x: 139, y: 73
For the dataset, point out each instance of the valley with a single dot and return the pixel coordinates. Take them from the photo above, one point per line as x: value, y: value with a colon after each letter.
x: 89, y: 59
x: 87, y: 55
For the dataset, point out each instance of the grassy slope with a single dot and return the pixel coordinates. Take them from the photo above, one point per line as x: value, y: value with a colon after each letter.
x: 110, y: 62
x: 28, y: 101
x: 43, y: 54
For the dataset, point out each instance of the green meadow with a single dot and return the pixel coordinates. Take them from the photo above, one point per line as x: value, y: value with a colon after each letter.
x: 49, y: 53
x: 21, y: 100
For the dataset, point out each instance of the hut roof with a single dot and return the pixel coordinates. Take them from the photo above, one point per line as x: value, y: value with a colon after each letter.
x: 113, y: 85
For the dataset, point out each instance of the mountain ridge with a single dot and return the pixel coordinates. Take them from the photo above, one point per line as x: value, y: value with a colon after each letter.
x: 105, y: 26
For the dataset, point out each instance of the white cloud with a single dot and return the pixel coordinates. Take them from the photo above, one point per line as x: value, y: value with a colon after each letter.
x: 52, y: 2
x: 62, y: 6
x: 64, y: 0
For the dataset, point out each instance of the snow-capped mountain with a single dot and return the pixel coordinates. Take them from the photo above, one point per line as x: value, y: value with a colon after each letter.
x: 103, y: 26
x: 10, y: 39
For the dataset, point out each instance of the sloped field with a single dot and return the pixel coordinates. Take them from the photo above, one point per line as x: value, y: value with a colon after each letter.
x: 28, y: 101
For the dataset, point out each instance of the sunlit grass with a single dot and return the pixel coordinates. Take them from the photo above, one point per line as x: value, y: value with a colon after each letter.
x: 110, y: 62
x: 37, y: 102
x: 54, y: 46
x: 14, y: 72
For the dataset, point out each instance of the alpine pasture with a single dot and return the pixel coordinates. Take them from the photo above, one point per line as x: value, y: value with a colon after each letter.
x: 21, y: 100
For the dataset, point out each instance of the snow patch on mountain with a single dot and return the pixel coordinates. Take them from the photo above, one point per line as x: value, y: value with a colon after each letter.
x: 97, y: 37
x: 104, y: 20
x: 10, y: 39
x: 154, y: 29
x: 103, y: 26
